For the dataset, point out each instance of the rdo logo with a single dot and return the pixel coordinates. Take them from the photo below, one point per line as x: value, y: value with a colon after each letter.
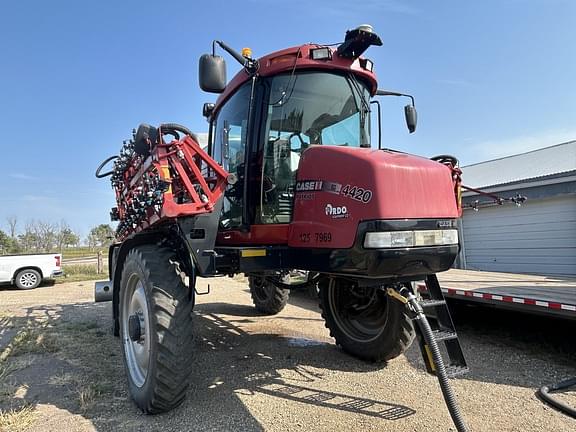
x: 336, y: 211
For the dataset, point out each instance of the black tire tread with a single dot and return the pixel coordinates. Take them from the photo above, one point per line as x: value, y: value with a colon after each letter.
x: 403, y: 336
x: 276, y: 301
x: 172, y: 309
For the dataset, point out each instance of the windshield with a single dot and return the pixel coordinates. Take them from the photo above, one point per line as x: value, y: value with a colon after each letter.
x: 318, y: 108
x: 304, y: 109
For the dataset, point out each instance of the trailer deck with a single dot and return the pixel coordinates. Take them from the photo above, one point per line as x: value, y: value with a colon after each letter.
x: 546, y: 295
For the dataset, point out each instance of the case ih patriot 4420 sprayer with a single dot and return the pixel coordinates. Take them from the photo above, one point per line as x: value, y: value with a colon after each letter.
x: 290, y: 180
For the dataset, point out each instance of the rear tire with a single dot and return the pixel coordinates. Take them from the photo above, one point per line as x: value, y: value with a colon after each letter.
x: 28, y: 279
x: 365, y: 322
x: 155, y: 314
x: 267, y: 297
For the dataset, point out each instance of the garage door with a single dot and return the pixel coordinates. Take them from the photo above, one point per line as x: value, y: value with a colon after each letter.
x: 538, y: 238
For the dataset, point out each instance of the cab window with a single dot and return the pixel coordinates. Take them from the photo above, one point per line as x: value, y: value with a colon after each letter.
x: 229, y: 149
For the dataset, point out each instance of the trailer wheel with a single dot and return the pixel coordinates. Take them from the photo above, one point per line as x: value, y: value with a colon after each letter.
x: 155, y: 314
x: 27, y: 279
x: 364, y: 321
x: 267, y: 297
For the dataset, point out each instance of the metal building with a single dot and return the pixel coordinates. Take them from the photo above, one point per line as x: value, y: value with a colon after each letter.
x: 540, y: 236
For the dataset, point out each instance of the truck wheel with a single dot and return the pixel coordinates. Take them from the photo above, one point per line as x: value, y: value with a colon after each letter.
x: 155, y: 314
x: 267, y: 297
x: 27, y: 279
x: 364, y: 321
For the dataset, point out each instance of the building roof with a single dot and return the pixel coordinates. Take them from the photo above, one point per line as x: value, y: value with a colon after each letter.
x: 544, y: 162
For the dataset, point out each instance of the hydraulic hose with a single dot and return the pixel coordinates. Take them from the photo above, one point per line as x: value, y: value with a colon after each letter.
x: 179, y: 128
x: 426, y: 330
x: 544, y: 394
x: 106, y: 174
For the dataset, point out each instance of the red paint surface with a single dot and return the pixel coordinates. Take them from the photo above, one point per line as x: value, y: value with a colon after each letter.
x: 403, y: 186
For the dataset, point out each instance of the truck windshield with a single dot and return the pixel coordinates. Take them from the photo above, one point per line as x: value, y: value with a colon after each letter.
x: 318, y: 108
x: 304, y: 109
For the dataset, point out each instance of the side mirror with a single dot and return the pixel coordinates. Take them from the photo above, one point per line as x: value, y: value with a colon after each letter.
x: 411, y: 117
x: 207, y: 110
x: 212, y: 73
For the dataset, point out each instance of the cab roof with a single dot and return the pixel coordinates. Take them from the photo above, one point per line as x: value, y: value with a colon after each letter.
x: 300, y: 58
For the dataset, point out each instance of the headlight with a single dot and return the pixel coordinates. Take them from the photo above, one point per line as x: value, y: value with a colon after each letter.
x: 402, y: 239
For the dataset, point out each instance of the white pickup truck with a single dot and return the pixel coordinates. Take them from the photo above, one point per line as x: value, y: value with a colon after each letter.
x: 27, y: 271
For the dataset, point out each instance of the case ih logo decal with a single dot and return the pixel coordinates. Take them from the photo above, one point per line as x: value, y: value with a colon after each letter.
x: 337, y: 212
x: 350, y: 191
x: 318, y: 186
x: 308, y: 185
x: 446, y: 224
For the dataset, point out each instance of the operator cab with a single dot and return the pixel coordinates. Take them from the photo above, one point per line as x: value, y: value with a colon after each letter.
x: 298, y: 110
x: 261, y: 126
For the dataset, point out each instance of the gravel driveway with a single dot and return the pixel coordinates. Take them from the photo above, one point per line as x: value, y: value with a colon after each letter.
x: 278, y: 373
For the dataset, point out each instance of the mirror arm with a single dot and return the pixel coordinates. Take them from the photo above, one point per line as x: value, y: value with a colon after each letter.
x: 249, y: 64
x: 391, y: 93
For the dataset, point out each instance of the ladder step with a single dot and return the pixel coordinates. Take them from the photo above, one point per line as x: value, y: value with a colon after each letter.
x: 456, y: 370
x: 441, y: 335
x: 431, y: 303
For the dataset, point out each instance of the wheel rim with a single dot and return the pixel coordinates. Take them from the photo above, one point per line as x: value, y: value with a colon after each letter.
x: 28, y: 279
x: 362, y: 315
x: 137, y: 352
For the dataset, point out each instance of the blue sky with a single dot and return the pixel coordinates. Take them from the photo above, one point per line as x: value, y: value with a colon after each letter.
x: 491, y: 78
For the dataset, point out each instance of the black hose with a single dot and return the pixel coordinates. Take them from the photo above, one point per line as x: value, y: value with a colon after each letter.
x: 106, y: 174
x: 179, y: 128
x: 447, y: 392
x: 445, y: 158
x: 544, y: 394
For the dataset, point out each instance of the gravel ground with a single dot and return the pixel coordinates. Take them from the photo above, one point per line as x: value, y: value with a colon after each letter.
x: 278, y: 373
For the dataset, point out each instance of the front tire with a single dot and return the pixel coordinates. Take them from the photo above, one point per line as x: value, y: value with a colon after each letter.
x: 155, y: 314
x: 364, y: 321
x: 28, y: 279
x: 267, y: 297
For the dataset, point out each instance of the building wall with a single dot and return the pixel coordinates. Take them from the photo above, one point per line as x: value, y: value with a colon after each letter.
x: 539, y: 237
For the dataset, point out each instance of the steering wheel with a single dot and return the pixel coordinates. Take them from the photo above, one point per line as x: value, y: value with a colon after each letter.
x: 303, y: 143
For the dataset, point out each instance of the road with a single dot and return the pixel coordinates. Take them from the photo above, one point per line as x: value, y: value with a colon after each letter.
x: 280, y: 373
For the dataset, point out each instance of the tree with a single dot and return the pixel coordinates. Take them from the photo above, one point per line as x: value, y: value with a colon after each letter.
x: 66, y: 237
x: 38, y: 236
x: 101, y: 235
x: 12, y: 223
x: 6, y: 243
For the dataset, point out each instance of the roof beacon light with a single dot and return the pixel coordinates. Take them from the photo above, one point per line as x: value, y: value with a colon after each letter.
x: 324, y: 53
x: 247, y: 52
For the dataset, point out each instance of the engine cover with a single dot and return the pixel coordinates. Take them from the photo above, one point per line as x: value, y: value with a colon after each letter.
x: 339, y: 187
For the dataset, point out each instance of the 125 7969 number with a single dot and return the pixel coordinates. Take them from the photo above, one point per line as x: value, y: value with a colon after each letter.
x: 323, y: 237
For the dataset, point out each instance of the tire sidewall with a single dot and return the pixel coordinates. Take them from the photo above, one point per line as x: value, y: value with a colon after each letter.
x: 383, y: 347
x: 22, y: 272
x: 133, y: 265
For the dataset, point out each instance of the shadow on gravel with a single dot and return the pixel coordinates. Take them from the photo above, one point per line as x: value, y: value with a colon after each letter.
x: 282, y: 367
x: 509, y: 347
x: 64, y: 356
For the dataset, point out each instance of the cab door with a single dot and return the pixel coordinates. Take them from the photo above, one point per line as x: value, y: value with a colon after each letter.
x: 229, y: 149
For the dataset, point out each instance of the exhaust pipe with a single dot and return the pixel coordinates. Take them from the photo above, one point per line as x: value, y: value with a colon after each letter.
x: 103, y: 291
